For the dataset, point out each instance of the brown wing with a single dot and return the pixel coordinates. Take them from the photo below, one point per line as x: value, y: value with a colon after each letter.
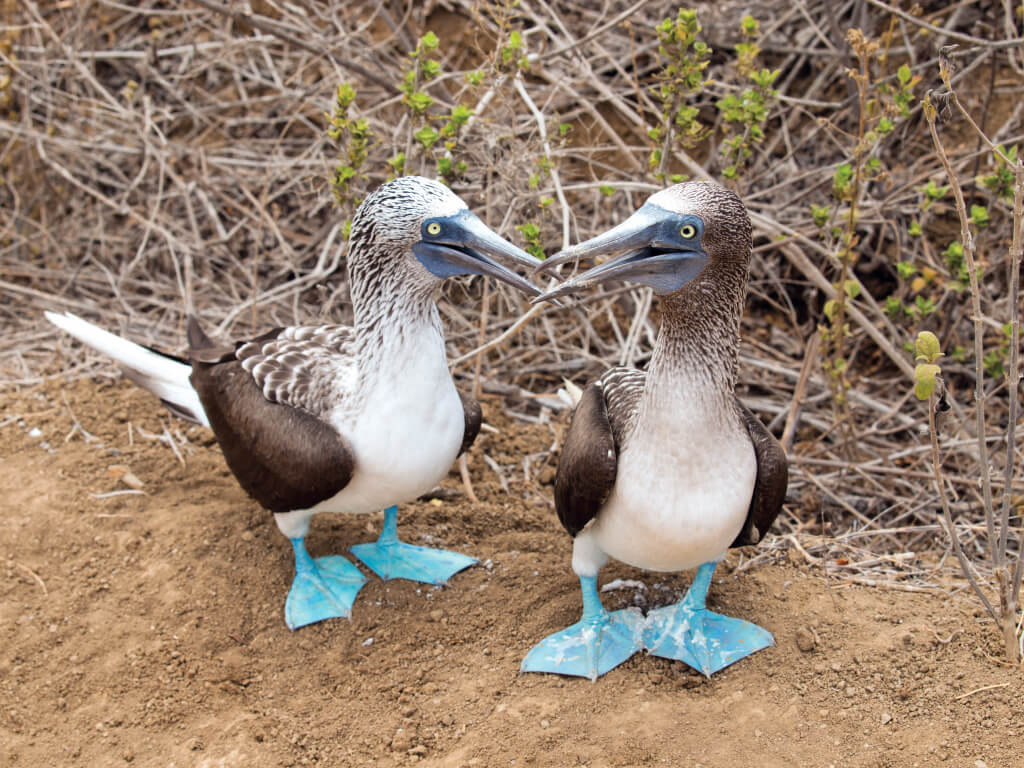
x: 587, y: 466
x: 770, y: 486
x: 283, y: 456
x: 473, y: 418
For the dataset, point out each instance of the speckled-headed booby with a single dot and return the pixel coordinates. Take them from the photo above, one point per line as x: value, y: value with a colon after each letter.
x: 344, y: 419
x: 665, y: 470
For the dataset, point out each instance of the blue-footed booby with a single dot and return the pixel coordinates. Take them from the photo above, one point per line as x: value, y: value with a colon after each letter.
x: 665, y: 470
x: 332, y: 418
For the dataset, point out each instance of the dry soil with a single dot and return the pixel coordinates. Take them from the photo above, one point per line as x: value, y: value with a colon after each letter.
x: 147, y: 629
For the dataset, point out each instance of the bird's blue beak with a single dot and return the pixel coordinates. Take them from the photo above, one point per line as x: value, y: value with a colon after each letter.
x: 654, y: 247
x: 462, y: 245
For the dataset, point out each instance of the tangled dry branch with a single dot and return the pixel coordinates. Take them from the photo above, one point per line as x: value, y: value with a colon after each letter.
x: 165, y: 158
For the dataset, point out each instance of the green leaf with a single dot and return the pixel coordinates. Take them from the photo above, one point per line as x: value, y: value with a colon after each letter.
x: 431, y: 69
x: 419, y: 101
x: 429, y: 41
x: 903, y: 74
x: 924, y: 306
x: 345, y: 96
x: 924, y: 380
x: 607, y: 190
x: 820, y: 214
x: 926, y: 348
x: 905, y: 270
x: 852, y: 288
x: 427, y: 136
x: 460, y: 114
x: 831, y: 307
x: 979, y: 215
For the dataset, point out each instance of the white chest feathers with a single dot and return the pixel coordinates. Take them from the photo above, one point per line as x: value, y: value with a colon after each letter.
x: 407, y: 431
x: 682, y: 491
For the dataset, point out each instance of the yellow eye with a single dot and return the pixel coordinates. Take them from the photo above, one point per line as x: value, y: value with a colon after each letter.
x: 688, y: 231
x: 433, y: 228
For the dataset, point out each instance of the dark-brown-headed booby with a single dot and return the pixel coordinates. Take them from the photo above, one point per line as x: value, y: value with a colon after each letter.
x: 344, y: 419
x: 665, y: 470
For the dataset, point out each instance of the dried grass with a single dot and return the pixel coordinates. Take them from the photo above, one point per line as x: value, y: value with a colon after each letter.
x: 204, y: 187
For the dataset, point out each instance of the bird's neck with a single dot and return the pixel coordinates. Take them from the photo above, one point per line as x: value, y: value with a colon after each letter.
x: 393, y: 312
x: 694, y: 358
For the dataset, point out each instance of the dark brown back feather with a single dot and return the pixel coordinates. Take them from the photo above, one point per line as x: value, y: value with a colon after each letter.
x: 284, y: 457
x: 473, y: 418
x: 588, y: 464
x: 770, y: 486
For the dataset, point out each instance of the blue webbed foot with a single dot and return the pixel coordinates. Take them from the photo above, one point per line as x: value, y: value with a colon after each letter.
x: 594, y: 645
x: 390, y: 558
x: 703, y: 639
x: 323, y: 588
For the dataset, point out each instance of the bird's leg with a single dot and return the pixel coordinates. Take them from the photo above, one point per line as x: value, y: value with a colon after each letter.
x: 597, y: 643
x: 323, y: 588
x: 705, y: 640
x: 390, y: 558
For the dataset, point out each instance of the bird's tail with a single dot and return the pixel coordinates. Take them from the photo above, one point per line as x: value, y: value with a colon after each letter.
x: 165, y: 376
x: 570, y: 394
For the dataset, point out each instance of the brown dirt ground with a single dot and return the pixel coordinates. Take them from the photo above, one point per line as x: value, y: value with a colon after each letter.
x: 148, y: 629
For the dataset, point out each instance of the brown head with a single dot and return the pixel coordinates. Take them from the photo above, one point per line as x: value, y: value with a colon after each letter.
x: 677, y: 235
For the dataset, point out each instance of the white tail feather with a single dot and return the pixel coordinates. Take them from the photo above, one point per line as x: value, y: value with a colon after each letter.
x: 570, y: 394
x: 164, y: 377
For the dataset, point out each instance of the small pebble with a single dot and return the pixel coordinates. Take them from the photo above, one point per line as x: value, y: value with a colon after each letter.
x: 886, y: 718
x: 805, y: 640
x: 35, y: 432
x: 401, y: 742
x: 368, y: 641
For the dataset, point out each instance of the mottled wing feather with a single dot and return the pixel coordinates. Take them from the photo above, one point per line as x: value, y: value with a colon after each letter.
x: 622, y: 389
x: 770, y: 486
x: 308, y: 367
x: 473, y: 418
x: 281, y: 452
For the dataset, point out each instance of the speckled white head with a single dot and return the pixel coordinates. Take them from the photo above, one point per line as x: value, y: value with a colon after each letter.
x: 394, y: 213
x: 412, y: 233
